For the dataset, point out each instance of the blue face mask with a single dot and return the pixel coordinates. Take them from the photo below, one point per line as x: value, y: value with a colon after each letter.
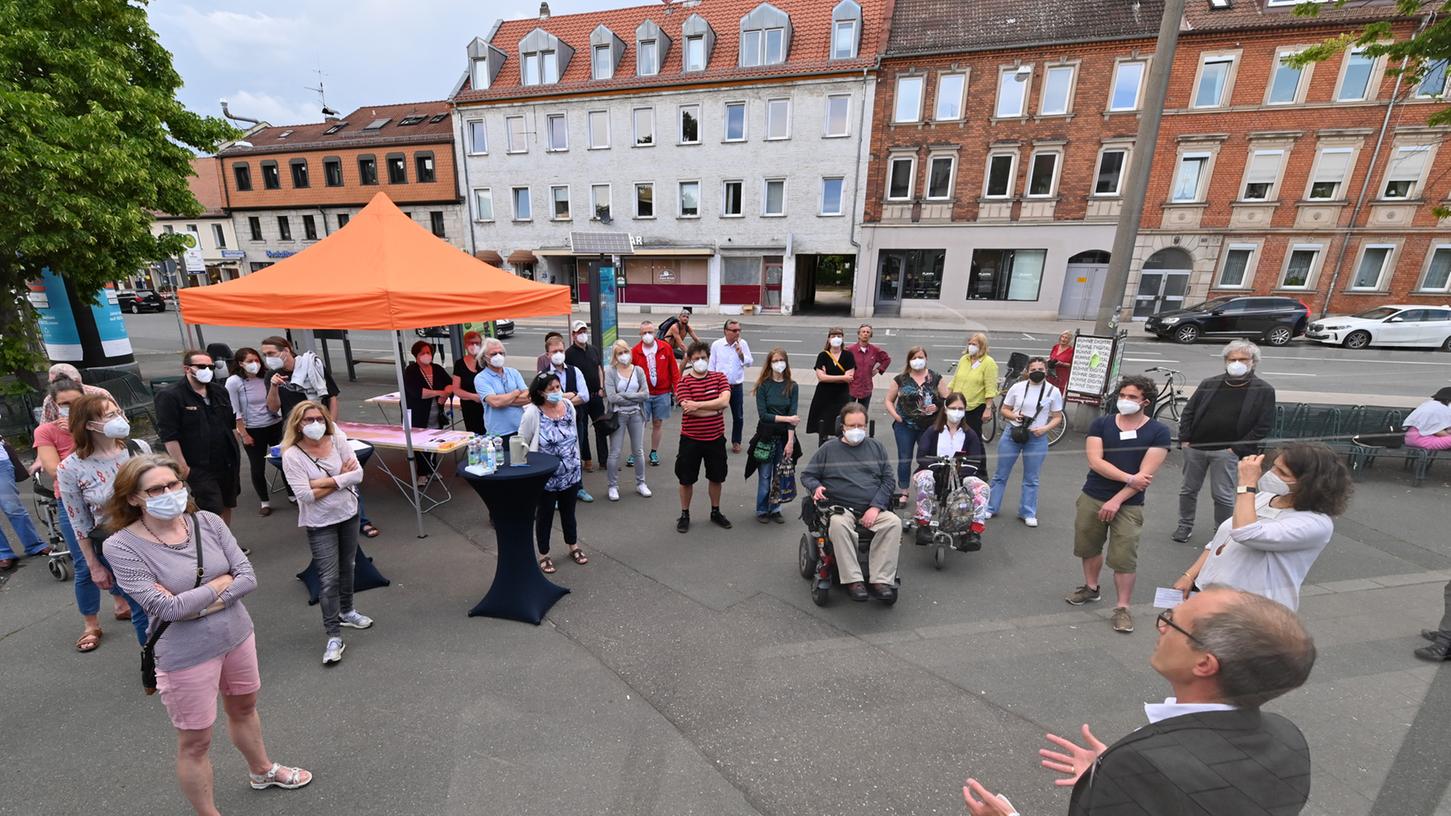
x: 554, y: 396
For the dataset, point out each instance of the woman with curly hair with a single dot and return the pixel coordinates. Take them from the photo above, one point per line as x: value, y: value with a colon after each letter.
x: 1282, y: 519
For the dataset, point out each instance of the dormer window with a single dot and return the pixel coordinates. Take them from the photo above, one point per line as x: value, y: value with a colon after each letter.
x: 695, y: 53
x: 603, y: 65
x: 543, y: 58
x: 765, y: 36
x: 605, y: 51
x: 699, y: 43
x: 651, y: 47
x: 484, y: 64
x: 846, y: 26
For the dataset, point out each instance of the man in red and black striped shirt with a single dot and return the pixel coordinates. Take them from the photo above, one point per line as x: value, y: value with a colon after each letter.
x: 703, y: 396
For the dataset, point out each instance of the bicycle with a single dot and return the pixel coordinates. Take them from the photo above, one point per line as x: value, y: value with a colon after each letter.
x: 1169, y: 400
x: 1017, y: 361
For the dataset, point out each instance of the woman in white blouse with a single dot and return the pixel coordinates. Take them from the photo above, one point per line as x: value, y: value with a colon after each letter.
x: 1283, y: 518
x: 1429, y: 426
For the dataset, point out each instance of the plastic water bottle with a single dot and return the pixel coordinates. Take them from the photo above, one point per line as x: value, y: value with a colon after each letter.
x: 474, y: 452
x: 486, y: 456
x: 492, y: 451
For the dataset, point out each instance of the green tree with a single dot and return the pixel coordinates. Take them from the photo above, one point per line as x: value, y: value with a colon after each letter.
x: 92, y: 142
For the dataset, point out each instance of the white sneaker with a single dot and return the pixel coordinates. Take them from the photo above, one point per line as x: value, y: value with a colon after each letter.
x: 614, y: 494
x: 644, y: 490
x: 334, y: 651
x: 353, y: 619
x: 1031, y: 521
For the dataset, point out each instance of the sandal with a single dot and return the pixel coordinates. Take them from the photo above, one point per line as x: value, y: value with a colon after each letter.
x: 547, y: 565
x: 89, y: 641
x: 296, y: 778
x: 124, y: 614
x: 370, y: 531
x: 578, y: 555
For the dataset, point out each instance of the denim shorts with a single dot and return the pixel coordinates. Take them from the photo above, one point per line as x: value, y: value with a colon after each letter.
x: 658, y: 407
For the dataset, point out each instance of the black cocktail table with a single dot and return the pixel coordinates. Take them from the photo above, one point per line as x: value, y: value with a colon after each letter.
x: 520, y: 591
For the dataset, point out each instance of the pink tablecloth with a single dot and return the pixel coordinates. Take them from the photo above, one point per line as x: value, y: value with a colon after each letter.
x: 391, y: 437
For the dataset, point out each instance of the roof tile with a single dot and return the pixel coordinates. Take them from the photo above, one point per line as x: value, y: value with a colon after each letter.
x: 932, y: 26
x: 314, y: 135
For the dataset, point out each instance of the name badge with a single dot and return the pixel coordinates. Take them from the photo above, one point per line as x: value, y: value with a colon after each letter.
x: 1122, y: 435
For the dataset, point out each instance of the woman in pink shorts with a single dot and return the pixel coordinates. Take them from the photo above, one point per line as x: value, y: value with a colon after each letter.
x: 209, y: 646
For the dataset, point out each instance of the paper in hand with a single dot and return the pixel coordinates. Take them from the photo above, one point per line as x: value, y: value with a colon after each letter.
x: 1167, y: 597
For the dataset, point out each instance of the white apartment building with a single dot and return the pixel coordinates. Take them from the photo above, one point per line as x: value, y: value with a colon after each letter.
x: 731, y: 149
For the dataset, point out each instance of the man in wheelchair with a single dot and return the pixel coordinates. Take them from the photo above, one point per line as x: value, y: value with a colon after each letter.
x: 854, y: 472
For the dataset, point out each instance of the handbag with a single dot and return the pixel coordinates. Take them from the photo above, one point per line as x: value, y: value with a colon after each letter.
x: 763, y: 450
x: 1022, y: 432
x: 783, y: 483
x: 148, y: 652
x: 607, y: 424
x: 22, y: 473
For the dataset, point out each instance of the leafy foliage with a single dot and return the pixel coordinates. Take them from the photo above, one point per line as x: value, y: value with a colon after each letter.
x: 92, y: 142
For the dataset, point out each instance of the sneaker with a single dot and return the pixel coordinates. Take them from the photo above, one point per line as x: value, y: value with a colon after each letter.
x: 584, y: 495
x: 1121, y: 620
x: 613, y: 493
x: 1182, y: 533
x: 654, y: 459
x: 764, y: 518
x: 719, y: 519
x: 644, y: 490
x: 353, y: 619
x: 1083, y: 595
x: 778, y: 518
x: 334, y: 651
x: 422, y: 482
x: 1031, y: 521
x: 682, y: 525
x: 630, y: 460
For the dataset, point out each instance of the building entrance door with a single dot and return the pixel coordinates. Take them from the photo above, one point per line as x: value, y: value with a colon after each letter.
x: 771, y: 287
x: 891, y: 269
x: 1163, y: 282
x: 1083, y: 286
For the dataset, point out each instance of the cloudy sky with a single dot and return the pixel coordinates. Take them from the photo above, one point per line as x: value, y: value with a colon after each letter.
x: 262, y: 55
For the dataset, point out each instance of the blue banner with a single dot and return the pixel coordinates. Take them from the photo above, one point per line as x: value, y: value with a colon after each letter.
x: 58, y: 331
x: 609, y: 300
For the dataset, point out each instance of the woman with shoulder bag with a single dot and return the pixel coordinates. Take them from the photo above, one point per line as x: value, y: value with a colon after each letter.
x: 1032, y: 407
x: 100, y: 434
x: 912, y: 403
x: 186, y: 570
x: 324, y: 473
x: 625, y: 395
x: 777, y: 403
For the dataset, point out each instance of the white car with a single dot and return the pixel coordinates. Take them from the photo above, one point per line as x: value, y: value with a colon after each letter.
x: 1395, y: 325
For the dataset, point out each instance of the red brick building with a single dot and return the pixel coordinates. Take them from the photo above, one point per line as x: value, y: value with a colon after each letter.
x: 288, y: 186
x: 1002, y: 134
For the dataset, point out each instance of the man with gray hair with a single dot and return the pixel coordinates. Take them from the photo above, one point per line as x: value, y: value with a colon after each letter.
x: 1208, y: 748
x: 1228, y: 418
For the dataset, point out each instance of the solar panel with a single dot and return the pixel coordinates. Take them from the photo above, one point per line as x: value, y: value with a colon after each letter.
x: 601, y: 243
x: 377, y: 123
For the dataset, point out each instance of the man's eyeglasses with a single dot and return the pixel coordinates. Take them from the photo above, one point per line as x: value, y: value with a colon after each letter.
x: 162, y: 489
x: 198, y: 366
x: 1166, y: 620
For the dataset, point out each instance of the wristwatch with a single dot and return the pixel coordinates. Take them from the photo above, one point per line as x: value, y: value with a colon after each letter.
x: 1246, y: 489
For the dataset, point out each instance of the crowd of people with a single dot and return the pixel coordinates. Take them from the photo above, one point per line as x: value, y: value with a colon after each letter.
x: 154, y: 530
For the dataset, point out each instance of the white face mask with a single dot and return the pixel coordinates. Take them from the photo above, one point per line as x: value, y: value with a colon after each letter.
x: 854, y: 436
x: 973, y: 349
x: 273, y: 363
x: 204, y: 375
x: 648, y: 338
x: 497, y: 361
x: 778, y: 366
x: 168, y: 505
x: 474, y: 350
x: 582, y: 337
x: 918, y: 363
x: 700, y: 365
x: 1128, y: 407
x: 116, y: 428
x: 623, y: 358
x: 956, y: 414
x: 1272, y: 483
x: 835, y: 342
x: 557, y: 358
x: 1237, y: 369
x: 314, y: 430
x: 252, y: 367
x: 426, y: 359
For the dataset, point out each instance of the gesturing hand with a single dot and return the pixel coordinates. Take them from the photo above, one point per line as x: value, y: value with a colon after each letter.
x: 1250, y: 470
x: 981, y: 802
x: 1075, y: 761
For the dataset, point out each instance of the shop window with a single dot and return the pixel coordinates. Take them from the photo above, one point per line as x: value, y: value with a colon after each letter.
x: 921, y: 271
x: 1006, y: 274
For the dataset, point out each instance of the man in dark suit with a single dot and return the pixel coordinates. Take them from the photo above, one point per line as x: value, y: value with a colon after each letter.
x: 1209, y: 750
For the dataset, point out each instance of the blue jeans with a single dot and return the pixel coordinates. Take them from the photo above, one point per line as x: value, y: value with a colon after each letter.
x: 30, y: 540
x: 764, y: 472
x: 907, y: 438
x: 88, y: 595
x: 1034, y: 451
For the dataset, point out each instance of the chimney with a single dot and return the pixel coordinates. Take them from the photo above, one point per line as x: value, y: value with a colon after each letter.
x: 544, y: 11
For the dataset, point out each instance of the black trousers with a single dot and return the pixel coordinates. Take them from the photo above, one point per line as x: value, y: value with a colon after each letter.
x: 262, y: 441
x: 473, y: 416
x: 583, y: 422
x: 738, y: 411
x: 544, y: 516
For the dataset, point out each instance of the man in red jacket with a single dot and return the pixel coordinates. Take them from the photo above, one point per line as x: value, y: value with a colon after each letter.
x: 661, y: 375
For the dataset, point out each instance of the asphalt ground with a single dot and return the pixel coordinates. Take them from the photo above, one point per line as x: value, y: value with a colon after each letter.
x: 692, y: 674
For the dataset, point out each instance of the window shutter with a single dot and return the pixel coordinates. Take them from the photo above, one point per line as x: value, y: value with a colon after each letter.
x: 1264, y: 167
x: 1334, y: 164
x: 1409, y: 163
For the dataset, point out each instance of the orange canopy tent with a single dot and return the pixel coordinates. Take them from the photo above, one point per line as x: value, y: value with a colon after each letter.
x: 382, y: 271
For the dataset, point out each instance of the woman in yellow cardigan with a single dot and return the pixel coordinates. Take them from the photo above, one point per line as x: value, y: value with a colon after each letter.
x: 976, y: 378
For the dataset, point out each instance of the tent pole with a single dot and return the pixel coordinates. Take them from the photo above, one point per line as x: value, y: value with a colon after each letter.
x: 407, y: 432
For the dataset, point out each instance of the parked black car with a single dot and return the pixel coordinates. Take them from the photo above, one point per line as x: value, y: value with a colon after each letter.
x: 136, y: 301
x: 1274, y: 321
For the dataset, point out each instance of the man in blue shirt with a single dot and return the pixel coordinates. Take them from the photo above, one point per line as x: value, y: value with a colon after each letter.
x: 503, y: 391
x: 1124, y: 450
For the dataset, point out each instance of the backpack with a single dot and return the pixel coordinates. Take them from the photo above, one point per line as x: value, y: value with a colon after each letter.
x: 664, y: 328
